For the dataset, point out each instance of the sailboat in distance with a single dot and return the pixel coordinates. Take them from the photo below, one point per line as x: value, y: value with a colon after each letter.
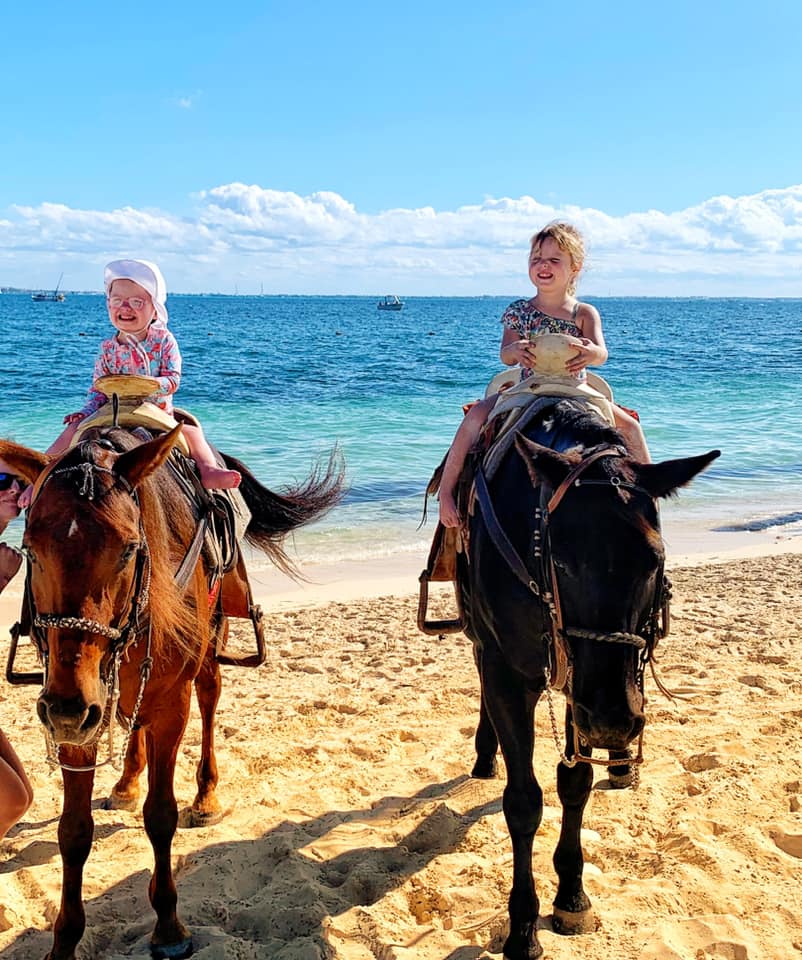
x: 56, y: 295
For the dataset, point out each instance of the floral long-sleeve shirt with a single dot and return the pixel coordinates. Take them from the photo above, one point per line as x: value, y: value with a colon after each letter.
x: 156, y: 356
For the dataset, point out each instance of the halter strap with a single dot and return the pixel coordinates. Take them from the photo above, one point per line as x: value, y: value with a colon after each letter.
x: 577, y: 472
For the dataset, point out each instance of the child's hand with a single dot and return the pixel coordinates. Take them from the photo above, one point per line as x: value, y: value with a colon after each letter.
x: 586, y: 353
x: 521, y: 352
x: 74, y: 417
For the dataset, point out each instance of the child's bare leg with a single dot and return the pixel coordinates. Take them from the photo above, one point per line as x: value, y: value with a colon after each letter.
x: 213, y: 477
x: 466, y: 436
x: 60, y: 445
x: 62, y: 442
x: 16, y: 793
x: 634, y: 437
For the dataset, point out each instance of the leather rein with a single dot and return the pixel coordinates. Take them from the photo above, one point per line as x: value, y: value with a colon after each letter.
x: 545, y: 585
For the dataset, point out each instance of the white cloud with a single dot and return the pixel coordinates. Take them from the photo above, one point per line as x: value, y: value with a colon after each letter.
x: 187, y: 101
x: 321, y: 243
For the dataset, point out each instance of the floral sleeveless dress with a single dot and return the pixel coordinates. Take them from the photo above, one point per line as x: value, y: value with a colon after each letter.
x: 528, y: 321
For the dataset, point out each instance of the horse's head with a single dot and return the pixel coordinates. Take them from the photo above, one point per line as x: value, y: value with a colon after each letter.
x: 89, y: 570
x: 603, y: 561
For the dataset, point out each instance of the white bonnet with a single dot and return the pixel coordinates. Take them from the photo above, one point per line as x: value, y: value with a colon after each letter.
x: 147, y: 275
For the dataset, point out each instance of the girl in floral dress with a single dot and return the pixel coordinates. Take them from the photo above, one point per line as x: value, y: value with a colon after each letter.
x: 556, y: 256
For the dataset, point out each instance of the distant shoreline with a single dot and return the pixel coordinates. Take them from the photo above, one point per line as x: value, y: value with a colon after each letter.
x: 408, y: 297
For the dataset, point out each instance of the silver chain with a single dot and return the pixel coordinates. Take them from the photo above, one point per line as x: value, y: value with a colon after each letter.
x: 78, y: 623
x: 116, y: 761
x: 573, y: 761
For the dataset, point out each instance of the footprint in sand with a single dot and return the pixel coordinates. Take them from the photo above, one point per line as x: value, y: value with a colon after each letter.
x: 790, y: 843
x: 699, y: 762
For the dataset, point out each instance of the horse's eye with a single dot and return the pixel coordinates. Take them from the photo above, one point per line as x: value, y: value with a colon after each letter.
x: 128, y: 552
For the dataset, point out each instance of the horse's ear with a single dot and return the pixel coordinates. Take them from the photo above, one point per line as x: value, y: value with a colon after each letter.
x: 22, y: 461
x: 137, y: 464
x: 664, y: 479
x: 542, y: 463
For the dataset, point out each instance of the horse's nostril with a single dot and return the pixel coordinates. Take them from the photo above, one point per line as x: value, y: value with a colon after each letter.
x: 93, y: 717
x: 41, y: 711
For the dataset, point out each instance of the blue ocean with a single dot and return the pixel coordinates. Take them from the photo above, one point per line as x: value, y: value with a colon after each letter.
x: 280, y: 381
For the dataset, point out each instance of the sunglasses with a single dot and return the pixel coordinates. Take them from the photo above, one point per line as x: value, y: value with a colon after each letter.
x: 135, y: 303
x: 6, y: 479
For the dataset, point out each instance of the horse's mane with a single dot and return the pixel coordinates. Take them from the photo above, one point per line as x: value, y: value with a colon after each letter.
x: 569, y: 424
x: 569, y: 427
x: 163, y: 507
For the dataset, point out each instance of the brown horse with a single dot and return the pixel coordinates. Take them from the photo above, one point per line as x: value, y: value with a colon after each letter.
x: 107, y: 530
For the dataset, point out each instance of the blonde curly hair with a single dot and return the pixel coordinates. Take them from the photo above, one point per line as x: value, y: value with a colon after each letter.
x: 568, y: 239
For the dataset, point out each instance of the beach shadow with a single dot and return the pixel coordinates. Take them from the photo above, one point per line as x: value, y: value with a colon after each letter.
x: 286, y: 886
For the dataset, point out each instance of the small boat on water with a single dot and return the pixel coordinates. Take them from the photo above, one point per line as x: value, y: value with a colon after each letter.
x: 390, y: 303
x: 56, y: 295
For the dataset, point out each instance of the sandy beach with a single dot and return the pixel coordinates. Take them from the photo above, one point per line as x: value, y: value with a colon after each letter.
x: 354, y: 832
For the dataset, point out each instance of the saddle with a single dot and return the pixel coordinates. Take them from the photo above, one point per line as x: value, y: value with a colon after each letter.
x: 517, y: 405
x: 131, y: 408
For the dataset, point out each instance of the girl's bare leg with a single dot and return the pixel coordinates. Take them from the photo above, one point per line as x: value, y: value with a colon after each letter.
x: 213, y: 476
x: 466, y: 436
x: 634, y: 437
x: 60, y: 445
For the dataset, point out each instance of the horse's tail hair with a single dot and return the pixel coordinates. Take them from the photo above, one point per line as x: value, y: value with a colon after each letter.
x: 274, y: 515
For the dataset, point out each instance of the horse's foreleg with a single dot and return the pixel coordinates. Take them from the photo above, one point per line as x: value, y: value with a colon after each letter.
x: 486, y: 744
x: 75, y: 830
x: 206, y: 808
x: 511, y: 707
x: 170, y: 937
x: 125, y: 792
x: 572, y: 908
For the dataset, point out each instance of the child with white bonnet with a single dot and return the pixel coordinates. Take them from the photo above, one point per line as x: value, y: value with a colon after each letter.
x: 136, y: 297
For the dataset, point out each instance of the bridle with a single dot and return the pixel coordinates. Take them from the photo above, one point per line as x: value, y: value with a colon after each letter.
x: 545, y: 586
x: 132, y: 626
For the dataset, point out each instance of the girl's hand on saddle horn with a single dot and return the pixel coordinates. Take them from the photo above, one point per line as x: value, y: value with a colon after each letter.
x: 75, y: 417
x: 587, y: 352
x: 521, y: 352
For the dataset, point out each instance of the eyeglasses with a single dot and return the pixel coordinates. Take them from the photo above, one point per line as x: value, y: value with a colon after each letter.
x: 135, y: 303
x: 7, y: 479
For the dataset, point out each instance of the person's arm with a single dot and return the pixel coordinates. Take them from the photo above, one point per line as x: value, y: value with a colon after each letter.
x: 169, y: 375
x: 591, y: 348
x: 10, y: 562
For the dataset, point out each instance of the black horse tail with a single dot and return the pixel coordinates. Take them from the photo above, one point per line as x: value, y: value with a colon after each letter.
x: 274, y: 515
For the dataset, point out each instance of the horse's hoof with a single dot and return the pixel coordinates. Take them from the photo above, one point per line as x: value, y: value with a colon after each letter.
x: 571, y: 924
x: 622, y: 780
x: 522, y: 948
x: 115, y: 802
x: 171, y: 951
x: 485, y: 769
x: 189, y: 818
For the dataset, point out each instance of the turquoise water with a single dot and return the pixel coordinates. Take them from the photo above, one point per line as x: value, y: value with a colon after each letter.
x: 278, y: 381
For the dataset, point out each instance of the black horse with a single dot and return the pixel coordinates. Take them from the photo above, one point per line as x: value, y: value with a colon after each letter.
x: 562, y: 586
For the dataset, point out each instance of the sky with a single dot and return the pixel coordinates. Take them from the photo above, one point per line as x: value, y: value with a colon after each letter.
x: 362, y: 148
